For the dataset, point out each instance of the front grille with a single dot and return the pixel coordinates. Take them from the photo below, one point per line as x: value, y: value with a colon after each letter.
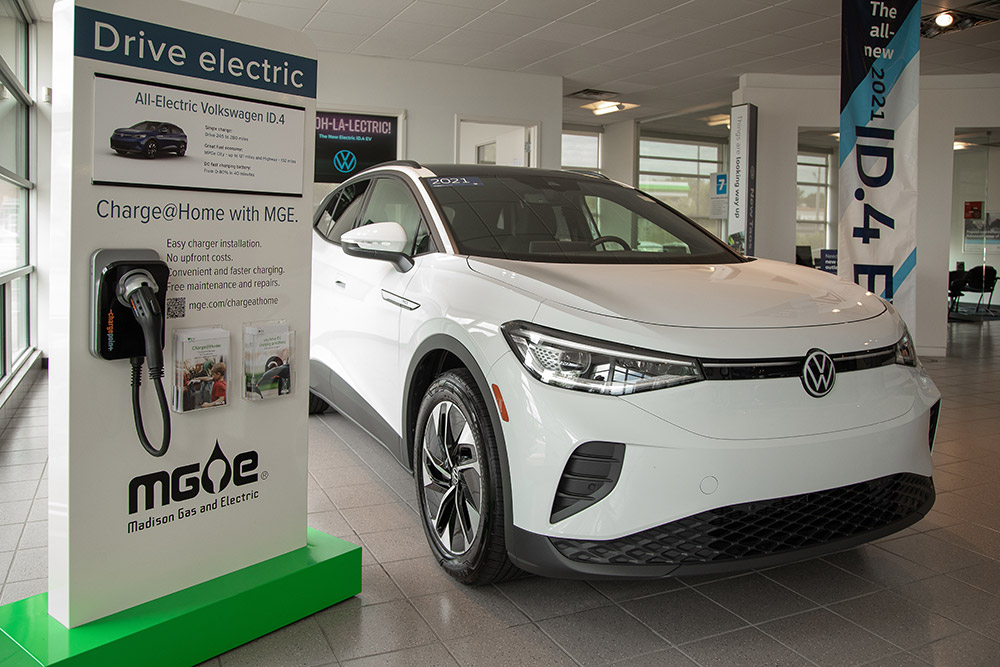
x: 767, y: 369
x: 763, y: 528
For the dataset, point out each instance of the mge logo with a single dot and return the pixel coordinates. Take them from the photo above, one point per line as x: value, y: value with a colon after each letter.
x: 184, y: 483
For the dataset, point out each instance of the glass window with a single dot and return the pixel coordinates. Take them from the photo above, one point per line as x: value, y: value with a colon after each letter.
x: 392, y: 201
x: 341, y: 210
x: 679, y: 173
x: 813, y: 206
x: 576, y: 219
x: 15, y: 188
x: 581, y: 150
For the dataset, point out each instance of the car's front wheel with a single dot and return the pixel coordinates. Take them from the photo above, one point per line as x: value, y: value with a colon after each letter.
x: 152, y: 148
x: 457, y: 471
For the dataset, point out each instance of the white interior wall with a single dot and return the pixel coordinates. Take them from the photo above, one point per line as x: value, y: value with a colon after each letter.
x: 620, y: 152
x: 788, y: 102
x: 435, y: 96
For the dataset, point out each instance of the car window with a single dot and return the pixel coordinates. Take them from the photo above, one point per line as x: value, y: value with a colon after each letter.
x: 342, y: 211
x: 392, y: 201
x: 548, y: 217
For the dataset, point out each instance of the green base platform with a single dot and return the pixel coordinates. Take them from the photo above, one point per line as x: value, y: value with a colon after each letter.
x: 192, y: 625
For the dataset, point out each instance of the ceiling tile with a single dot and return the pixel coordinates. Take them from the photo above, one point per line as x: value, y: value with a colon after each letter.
x: 714, y: 11
x: 506, y: 60
x: 477, y: 4
x: 774, y: 19
x: 824, y: 30
x: 486, y: 41
x: 313, y: 5
x: 380, y: 9
x: 626, y: 41
x: 413, y: 32
x: 819, y: 7
x: 820, y: 53
x: 335, y: 41
x: 286, y: 17
x: 570, y: 61
x: 665, y: 26
x: 436, y: 14
x: 569, y: 33
x: 535, y: 48
x: 506, y: 24
x: 228, y: 6
x: 542, y: 9
x: 456, y: 55
x: 597, y: 76
x: 346, y: 23
x: 615, y: 14
x: 389, y: 48
x: 773, y: 45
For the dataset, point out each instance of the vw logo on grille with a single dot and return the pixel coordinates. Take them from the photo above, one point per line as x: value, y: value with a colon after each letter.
x: 345, y: 161
x: 818, y: 374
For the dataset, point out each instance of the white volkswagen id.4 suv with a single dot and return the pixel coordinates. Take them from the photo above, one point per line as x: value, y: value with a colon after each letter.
x: 587, y: 384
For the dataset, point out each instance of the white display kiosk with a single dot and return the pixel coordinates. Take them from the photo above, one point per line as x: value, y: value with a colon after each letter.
x: 182, y: 153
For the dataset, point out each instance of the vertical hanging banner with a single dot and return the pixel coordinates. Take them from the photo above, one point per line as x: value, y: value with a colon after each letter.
x: 879, y: 95
x: 743, y: 177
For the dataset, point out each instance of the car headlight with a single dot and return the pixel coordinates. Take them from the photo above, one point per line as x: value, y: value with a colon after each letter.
x: 586, y: 364
x: 906, y: 352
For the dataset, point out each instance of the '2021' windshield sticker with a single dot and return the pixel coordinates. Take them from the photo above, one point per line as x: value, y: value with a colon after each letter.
x: 453, y: 181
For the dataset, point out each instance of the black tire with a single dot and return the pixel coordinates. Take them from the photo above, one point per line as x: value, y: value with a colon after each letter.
x: 151, y: 149
x: 459, y: 489
x: 317, y: 405
x: 181, y: 149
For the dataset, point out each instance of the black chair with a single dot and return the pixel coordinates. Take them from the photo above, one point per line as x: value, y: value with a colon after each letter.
x: 982, y: 279
x: 956, y: 283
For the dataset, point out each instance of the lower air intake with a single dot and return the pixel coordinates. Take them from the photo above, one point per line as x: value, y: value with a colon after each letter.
x: 765, y: 527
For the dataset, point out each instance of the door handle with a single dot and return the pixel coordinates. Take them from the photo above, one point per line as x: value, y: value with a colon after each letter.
x: 340, y: 283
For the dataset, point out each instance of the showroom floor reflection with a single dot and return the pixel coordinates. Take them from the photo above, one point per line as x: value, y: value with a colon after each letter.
x: 928, y: 595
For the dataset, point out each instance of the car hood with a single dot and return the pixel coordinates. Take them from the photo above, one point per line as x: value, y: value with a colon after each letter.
x: 757, y: 294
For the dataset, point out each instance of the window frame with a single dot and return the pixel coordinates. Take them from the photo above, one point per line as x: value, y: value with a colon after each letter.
x: 717, y: 165
x: 11, y: 359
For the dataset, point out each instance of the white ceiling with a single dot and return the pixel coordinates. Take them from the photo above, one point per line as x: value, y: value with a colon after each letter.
x: 678, y: 59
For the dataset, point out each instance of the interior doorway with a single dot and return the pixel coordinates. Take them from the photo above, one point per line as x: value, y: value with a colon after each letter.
x: 497, y: 143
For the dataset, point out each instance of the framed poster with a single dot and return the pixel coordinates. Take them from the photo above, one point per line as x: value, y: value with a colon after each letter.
x: 347, y: 143
x: 980, y: 232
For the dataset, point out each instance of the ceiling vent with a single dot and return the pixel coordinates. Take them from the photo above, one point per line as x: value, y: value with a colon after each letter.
x: 593, y: 94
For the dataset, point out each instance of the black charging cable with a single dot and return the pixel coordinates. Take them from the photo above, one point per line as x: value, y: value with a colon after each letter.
x: 138, y: 289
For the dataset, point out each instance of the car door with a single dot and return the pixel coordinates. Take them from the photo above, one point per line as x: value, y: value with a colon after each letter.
x: 361, y: 312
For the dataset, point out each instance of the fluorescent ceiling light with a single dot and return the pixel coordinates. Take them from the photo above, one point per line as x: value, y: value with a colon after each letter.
x: 717, y: 120
x: 944, y: 19
x: 608, y: 106
x: 961, y: 145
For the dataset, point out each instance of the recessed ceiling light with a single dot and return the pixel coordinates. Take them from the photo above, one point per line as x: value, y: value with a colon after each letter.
x: 608, y: 106
x: 944, y: 19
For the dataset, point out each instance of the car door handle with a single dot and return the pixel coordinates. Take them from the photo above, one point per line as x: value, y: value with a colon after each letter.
x: 340, y: 283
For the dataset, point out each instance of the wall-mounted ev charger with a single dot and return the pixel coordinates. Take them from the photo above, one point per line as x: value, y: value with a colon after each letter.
x: 128, y: 300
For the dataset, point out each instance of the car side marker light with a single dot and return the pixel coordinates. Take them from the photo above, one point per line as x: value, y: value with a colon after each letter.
x: 500, y: 404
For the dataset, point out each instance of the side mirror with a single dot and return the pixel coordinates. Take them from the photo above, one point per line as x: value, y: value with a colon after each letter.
x: 379, y: 240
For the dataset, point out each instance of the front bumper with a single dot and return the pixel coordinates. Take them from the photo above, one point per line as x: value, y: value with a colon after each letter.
x: 679, y: 489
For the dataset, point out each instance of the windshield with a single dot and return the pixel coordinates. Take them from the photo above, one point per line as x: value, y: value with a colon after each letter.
x: 550, y: 218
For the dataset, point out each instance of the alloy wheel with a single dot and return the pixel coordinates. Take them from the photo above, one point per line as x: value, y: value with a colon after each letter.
x: 451, y: 478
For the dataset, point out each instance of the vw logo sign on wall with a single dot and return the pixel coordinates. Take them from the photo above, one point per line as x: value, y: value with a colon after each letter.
x: 345, y: 161
x: 818, y: 374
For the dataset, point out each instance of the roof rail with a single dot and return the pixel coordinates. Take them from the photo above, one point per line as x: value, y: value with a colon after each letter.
x: 588, y: 172
x: 400, y: 163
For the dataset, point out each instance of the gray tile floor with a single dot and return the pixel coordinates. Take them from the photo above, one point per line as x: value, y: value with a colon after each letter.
x: 928, y: 595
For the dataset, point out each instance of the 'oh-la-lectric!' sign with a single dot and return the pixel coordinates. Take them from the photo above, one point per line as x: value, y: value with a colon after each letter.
x: 879, y: 93
x: 346, y: 143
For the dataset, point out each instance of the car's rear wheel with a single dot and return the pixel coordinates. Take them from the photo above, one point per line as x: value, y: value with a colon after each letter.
x: 181, y: 148
x: 151, y: 149
x: 317, y: 405
x: 457, y: 472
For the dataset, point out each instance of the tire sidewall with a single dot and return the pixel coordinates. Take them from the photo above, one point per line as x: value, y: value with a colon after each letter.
x: 456, y: 388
